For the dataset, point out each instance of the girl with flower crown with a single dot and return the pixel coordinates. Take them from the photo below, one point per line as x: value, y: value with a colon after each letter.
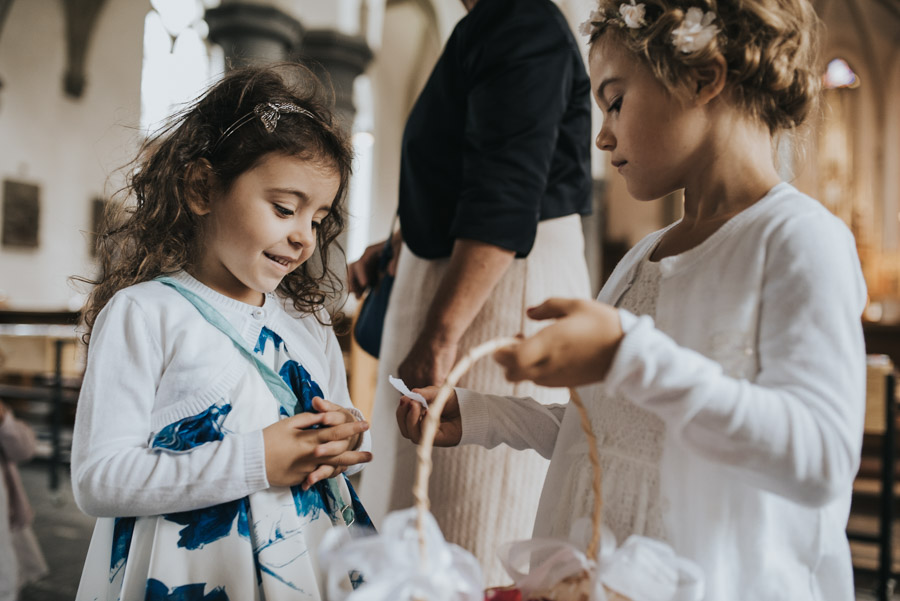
x: 204, y: 442
x: 723, y: 363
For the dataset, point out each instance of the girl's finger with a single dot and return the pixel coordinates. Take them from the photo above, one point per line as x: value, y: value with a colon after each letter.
x: 323, y: 405
x: 336, y: 418
x: 402, y: 410
x: 328, y: 449
x: 318, y: 474
x: 347, y: 458
x: 305, y: 420
x: 414, y: 422
x: 341, y: 432
x: 552, y: 308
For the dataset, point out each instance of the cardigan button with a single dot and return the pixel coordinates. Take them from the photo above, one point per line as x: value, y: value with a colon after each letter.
x: 259, y: 313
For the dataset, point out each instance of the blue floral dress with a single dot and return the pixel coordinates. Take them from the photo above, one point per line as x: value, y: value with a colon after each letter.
x: 260, y: 547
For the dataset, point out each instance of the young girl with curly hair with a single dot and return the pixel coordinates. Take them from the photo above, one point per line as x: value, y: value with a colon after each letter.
x: 723, y: 364
x: 203, y: 441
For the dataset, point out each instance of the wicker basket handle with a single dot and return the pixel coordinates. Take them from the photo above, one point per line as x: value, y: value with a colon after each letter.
x: 432, y: 419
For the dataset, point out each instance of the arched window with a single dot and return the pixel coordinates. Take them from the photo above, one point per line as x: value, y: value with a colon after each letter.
x: 178, y: 62
x: 840, y: 75
x: 360, y: 198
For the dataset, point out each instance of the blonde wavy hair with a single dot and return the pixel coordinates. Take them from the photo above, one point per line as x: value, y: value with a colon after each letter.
x: 770, y: 48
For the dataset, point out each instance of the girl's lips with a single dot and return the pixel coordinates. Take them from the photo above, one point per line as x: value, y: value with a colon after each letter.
x: 283, y: 261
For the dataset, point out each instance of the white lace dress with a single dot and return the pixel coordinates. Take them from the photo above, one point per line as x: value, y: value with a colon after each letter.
x: 630, y: 441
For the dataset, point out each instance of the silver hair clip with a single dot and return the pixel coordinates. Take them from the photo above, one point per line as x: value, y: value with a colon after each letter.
x: 268, y: 113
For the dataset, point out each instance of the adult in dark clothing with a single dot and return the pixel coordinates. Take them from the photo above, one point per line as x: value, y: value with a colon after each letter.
x: 495, y: 173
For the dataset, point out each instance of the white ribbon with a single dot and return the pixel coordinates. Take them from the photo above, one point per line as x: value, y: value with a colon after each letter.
x: 392, y: 567
x: 642, y: 569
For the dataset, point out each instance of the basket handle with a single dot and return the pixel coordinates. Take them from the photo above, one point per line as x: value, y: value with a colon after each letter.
x: 429, y: 431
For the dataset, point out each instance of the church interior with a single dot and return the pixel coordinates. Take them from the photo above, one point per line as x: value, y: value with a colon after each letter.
x: 84, y: 82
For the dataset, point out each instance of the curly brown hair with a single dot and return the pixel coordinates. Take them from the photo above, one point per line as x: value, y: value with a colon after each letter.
x: 155, y: 233
x: 770, y: 48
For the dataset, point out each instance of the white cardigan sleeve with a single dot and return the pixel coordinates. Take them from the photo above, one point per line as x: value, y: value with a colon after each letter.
x: 522, y: 423
x: 114, y: 471
x: 796, y: 429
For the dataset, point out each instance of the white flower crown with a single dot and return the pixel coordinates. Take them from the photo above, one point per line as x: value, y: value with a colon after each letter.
x: 694, y: 33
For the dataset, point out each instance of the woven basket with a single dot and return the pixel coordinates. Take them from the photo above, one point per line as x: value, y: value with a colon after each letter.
x: 574, y: 588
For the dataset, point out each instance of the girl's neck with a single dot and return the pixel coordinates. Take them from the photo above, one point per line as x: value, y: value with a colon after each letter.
x: 738, y: 169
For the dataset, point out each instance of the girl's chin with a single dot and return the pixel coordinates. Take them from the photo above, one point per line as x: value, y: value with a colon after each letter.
x: 644, y: 195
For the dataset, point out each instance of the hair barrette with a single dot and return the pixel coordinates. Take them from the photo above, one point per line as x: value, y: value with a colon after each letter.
x: 268, y: 113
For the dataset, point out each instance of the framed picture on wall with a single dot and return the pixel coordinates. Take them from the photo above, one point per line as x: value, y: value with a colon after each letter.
x: 21, y: 214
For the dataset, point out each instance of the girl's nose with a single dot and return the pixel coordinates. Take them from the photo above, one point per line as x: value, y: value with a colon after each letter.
x: 605, y: 140
x: 302, y: 234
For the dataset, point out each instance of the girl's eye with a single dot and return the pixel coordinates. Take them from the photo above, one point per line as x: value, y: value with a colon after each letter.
x: 283, y: 211
x: 316, y: 224
x: 615, y: 105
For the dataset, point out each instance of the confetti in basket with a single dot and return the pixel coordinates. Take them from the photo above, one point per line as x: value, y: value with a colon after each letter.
x: 409, y: 560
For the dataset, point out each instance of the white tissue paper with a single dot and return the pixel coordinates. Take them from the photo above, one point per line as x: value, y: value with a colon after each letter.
x: 642, y: 569
x: 402, y: 388
x: 392, y: 567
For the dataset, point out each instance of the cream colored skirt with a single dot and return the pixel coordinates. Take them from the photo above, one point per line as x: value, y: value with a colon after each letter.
x: 481, y: 498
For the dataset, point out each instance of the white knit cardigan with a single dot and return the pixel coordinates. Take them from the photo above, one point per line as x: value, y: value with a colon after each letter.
x: 756, y: 363
x: 153, y: 359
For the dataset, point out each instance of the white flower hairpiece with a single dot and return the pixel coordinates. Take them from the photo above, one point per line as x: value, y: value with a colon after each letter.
x: 587, y: 26
x: 633, y: 14
x: 695, y: 31
x: 630, y: 15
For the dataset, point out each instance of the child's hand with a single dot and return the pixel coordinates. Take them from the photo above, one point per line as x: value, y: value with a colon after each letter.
x: 294, y: 452
x: 335, y: 415
x: 411, y: 418
x: 576, y: 350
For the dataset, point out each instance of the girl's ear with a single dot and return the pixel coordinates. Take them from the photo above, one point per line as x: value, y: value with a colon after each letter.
x: 710, y: 80
x: 198, y: 186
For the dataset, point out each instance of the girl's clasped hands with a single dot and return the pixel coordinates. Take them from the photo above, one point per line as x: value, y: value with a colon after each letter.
x: 310, y: 447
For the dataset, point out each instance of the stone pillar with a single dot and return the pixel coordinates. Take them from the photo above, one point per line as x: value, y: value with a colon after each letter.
x: 81, y: 16
x: 259, y: 33
x: 251, y: 34
x: 340, y: 58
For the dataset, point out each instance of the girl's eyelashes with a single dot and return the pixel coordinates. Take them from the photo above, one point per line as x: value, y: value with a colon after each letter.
x: 283, y: 211
x: 615, y: 105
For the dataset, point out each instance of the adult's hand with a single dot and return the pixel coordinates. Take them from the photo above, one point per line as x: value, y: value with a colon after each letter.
x: 363, y: 272
x: 576, y: 350
x: 428, y: 362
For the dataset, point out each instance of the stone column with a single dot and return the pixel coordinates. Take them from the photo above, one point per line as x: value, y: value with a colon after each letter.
x: 340, y: 58
x: 251, y: 34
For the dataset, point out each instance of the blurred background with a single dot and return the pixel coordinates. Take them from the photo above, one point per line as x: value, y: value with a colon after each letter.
x: 83, y: 82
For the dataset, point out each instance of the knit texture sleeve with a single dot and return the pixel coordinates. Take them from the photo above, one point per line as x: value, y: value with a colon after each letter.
x: 796, y: 428
x: 114, y: 470
x: 522, y: 423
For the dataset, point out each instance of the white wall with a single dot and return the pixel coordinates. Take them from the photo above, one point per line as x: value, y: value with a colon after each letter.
x: 68, y: 147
